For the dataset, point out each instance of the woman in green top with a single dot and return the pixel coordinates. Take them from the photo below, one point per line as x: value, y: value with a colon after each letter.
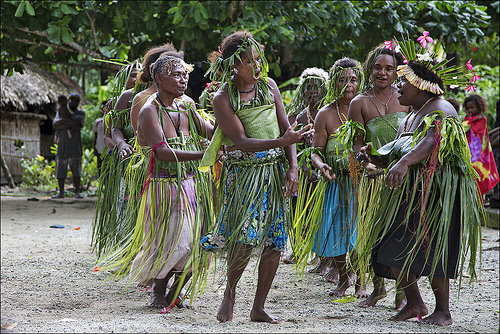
x: 379, y: 113
x: 176, y: 202
x: 254, y: 212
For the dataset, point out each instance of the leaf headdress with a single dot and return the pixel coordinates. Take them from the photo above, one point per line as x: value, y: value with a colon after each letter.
x: 221, y: 69
x: 425, y: 55
x: 312, y: 78
x: 340, y: 67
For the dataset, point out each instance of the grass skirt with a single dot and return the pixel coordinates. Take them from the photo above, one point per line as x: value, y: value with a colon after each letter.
x: 253, y: 210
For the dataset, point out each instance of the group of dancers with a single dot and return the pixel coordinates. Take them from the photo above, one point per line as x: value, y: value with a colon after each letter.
x: 372, y: 176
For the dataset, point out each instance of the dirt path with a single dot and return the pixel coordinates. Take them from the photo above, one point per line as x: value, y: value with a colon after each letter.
x: 48, y: 285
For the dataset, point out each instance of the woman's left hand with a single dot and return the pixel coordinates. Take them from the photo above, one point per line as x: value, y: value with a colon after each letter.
x: 291, y: 182
x: 394, y: 177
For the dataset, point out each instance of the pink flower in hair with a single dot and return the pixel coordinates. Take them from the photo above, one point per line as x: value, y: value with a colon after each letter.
x: 424, y: 39
x: 388, y: 45
x: 469, y: 65
x: 474, y: 78
x: 404, y: 60
x: 470, y: 88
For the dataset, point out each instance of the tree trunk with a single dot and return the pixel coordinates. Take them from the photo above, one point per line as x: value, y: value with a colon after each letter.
x: 7, y: 174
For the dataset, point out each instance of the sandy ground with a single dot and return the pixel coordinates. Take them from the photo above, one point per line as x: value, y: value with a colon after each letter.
x: 48, y: 285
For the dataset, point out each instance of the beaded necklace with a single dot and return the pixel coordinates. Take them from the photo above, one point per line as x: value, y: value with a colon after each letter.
x: 386, y: 108
x: 338, y: 113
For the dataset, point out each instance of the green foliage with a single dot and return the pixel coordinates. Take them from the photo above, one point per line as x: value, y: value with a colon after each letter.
x: 296, y: 34
x: 484, y: 50
x: 89, y: 169
x: 39, y: 173
x: 92, y: 112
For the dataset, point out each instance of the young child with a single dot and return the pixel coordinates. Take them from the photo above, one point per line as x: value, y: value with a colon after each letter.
x: 476, y: 128
x: 63, y: 113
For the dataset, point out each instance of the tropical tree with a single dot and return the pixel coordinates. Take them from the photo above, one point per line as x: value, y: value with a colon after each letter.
x: 70, y: 35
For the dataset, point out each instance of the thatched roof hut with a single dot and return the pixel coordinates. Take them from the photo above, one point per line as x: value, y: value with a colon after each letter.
x: 28, y: 106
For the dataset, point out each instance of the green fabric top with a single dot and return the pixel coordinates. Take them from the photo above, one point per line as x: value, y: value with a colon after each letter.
x: 259, y: 122
x: 334, y: 153
x: 378, y: 130
x: 185, y: 143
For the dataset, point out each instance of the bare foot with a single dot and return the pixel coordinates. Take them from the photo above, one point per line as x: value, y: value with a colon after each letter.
x: 314, y: 260
x: 325, y: 266
x: 158, y: 293
x: 290, y: 259
x: 373, y: 298
x: 410, y: 311
x: 332, y: 275
x: 315, y: 270
x: 185, y: 305
x: 339, y: 291
x: 344, y: 283
x: 438, y: 318
x: 78, y: 195
x: 360, y: 292
x: 261, y: 315
x: 158, y: 299
x: 59, y: 195
x: 400, y: 300
x: 225, y: 313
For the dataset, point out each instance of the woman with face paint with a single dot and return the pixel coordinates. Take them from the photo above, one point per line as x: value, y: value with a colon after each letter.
x: 430, y: 216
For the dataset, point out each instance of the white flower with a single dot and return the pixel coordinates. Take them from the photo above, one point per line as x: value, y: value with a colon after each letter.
x: 425, y: 57
x: 397, y: 49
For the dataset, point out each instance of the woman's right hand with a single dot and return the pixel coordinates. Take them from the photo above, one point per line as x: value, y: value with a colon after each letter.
x: 125, y: 150
x: 291, y: 136
x: 325, y: 171
x: 364, y: 156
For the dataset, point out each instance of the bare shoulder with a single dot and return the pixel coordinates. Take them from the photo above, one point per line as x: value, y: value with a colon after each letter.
x: 446, y: 107
x: 272, y: 83
x: 359, y: 100
x: 139, y: 96
x: 187, y: 99
x: 324, y: 113
x: 127, y: 94
x: 221, y: 99
x: 148, y: 109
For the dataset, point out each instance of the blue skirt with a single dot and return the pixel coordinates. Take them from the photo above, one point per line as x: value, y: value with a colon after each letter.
x: 337, y: 232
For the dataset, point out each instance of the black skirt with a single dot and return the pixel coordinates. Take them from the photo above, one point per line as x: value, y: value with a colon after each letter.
x: 393, y: 249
